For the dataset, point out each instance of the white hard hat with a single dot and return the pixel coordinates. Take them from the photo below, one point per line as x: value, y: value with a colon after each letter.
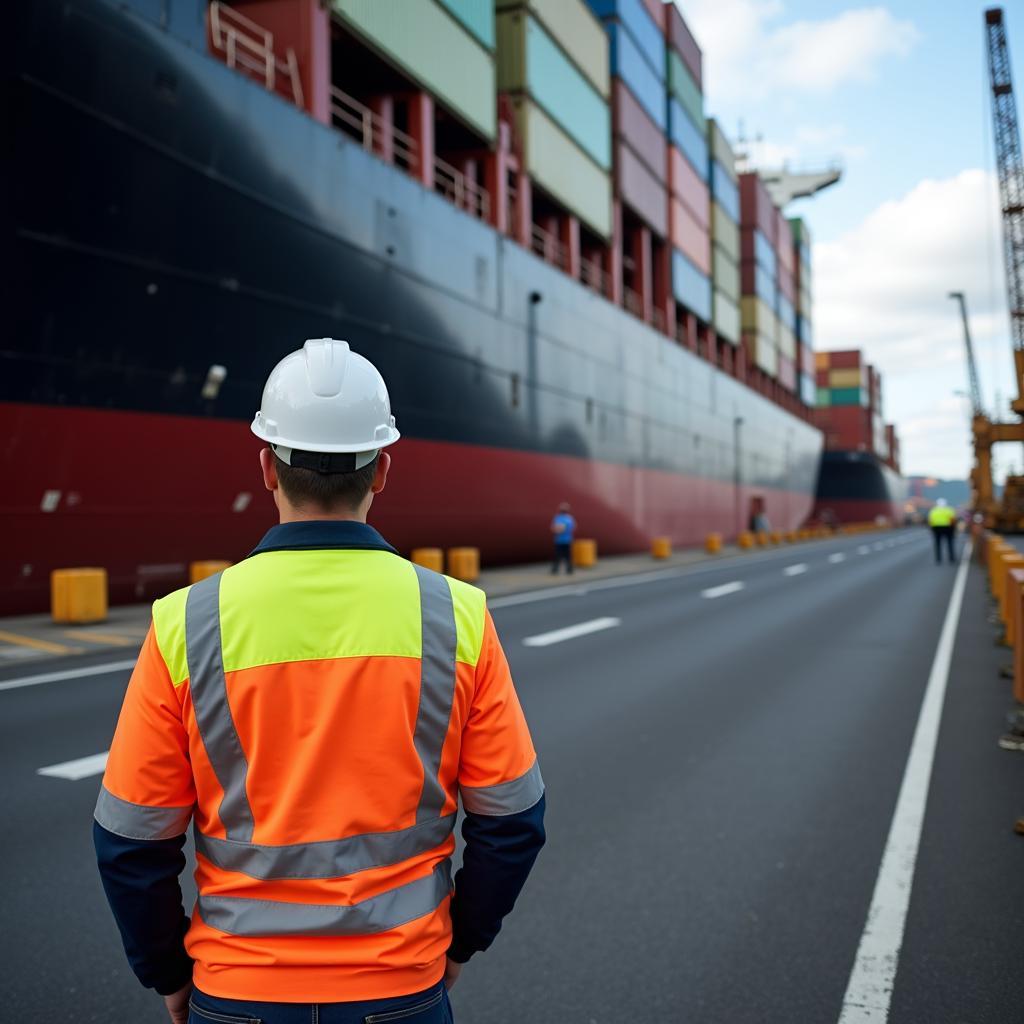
x: 941, y: 502
x: 325, y: 398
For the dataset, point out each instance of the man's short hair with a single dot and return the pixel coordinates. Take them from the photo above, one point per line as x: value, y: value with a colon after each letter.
x: 326, y: 491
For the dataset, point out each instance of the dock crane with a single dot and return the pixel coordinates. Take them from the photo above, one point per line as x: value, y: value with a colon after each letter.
x: 1007, y: 515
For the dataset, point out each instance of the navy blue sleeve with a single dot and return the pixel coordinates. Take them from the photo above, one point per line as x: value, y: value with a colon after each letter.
x: 500, y: 851
x: 140, y: 878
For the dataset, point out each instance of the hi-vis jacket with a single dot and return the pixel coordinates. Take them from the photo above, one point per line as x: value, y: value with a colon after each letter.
x: 941, y: 515
x: 316, y: 710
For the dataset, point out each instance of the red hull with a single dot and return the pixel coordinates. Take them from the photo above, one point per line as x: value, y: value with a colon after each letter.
x: 144, y: 494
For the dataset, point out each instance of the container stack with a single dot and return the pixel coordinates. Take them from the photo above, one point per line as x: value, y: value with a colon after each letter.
x: 893, y: 443
x: 690, y: 199
x: 850, y: 405
x: 804, y: 336
x: 552, y: 65
x: 785, y: 303
x: 725, y: 236
x: 758, y: 274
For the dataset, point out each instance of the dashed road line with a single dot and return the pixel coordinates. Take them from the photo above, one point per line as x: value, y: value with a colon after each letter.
x: 863, y: 550
x: 724, y: 589
x: 38, y: 645
x: 795, y: 570
x: 80, y: 768
x: 837, y: 558
x: 557, y: 636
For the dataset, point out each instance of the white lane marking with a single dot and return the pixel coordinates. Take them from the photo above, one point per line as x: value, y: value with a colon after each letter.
x: 71, y: 673
x: 869, y: 990
x: 721, y: 591
x: 795, y: 570
x: 863, y: 550
x: 556, y: 636
x: 837, y: 557
x: 80, y: 768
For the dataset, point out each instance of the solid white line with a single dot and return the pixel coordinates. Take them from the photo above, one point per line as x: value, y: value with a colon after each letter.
x: 869, y: 991
x: 556, y: 636
x: 71, y: 673
x: 726, y: 588
x: 795, y: 570
x: 837, y: 557
x: 80, y: 768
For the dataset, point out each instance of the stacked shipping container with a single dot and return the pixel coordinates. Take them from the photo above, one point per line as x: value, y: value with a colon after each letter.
x: 725, y: 235
x: 785, y: 303
x: 759, y: 274
x: 553, y: 67
x: 804, y: 336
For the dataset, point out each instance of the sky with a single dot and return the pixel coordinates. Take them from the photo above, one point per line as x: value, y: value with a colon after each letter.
x: 898, y: 92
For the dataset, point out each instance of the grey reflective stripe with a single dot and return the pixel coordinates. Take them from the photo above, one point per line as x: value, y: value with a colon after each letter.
x: 331, y: 858
x: 210, y: 701
x: 137, y: 821
x: 239, y: 916
x: 437, y: 685
x: 508, y: 797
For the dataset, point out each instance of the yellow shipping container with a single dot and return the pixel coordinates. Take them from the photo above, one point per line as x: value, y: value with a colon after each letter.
x: 854, y: 378
x: 755, y: 315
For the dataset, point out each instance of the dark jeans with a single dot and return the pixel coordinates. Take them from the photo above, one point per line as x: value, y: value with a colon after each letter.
x: 563, y: 553
x: 430, y: 1006
x: 947, y: 532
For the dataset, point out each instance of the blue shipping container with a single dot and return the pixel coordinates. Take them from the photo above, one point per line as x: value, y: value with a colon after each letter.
x: 690, y: 286
x: 764, y: 253
x: 764, y: 285
x: 786, y: 312
x: 725, y: 191
x: 646, y: 34
x: 628, y: 63
x: 688, y: 137
x: 803, y: 330
x: 808, y: 390
x: 567, y: 96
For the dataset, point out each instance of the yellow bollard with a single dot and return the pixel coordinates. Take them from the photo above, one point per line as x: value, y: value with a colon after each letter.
x: 584, y: 553
x: 200, y: 570
x: 996, y: 571
x: 661, y: 547
x: 713, y: 543
x: 762, y: 538
x: 776, y: 537
x: 429, y: 558
x: 78, y: 595
x: 464, y: 564
x: 1009, y: 562
x: 745, y: 540
x: 791, y: 536
x: 1017, y: 618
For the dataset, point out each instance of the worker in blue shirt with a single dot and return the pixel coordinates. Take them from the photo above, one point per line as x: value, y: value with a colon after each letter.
x: 563, y: 526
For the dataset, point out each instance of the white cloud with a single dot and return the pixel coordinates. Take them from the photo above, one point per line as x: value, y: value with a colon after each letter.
x: 748, y: 50
x: 883, y: 287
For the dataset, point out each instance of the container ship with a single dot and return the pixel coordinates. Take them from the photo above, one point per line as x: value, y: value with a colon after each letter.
x: 518, y: 209
x: 860, y: 478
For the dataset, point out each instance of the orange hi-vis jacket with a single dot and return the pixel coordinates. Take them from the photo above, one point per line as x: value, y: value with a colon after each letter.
x: 316, y: 713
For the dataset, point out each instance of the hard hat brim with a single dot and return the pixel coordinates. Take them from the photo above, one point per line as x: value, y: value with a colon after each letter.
x: 310, y: 446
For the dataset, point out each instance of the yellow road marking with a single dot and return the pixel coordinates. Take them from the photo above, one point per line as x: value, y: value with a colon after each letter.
x: 39, y: 645
x: 101, y: 638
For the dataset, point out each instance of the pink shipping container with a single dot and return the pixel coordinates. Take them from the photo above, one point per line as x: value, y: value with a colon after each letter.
x: 784, y: 241
x: 654, y: 8
x: 756, y: 207
x: 679, y: 35
x: 640, y: 190
x: 690, y: 237
x: 787, y: 372
x: 632, y: 123
x: 806, y: 356
x: 686, y: 185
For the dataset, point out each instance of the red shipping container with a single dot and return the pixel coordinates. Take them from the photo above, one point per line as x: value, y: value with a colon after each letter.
x: 787, y: 372
x: 821, y: 378
x: 756, y: 207
x: 689, y: 236
x: 784, y: 240
x: 786, y: 285
x: 848, y: 359
x: 847, y: 427
x: 748, y: 278
x: 632, y: 123
x: 686, y: 185
x: 640, y: 190
x: 678, y: 34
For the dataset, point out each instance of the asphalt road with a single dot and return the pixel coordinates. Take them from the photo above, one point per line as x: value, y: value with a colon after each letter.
x: 722, y: 764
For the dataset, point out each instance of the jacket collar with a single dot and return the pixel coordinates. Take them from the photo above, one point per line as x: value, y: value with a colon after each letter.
x: 319, y: 534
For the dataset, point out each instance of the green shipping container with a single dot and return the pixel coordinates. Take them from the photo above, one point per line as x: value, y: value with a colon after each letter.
x: 530, y: 61
x: 686, y: 90
x: 725, y: 316
x: 572, y: 25
x: 427, y: 44
x: 725, y: 273
x: 824, y: 398
x: 561, y: 168
x: 720, y: 148
x: 477, y: 16
x: 849, y: 396
x: 725, y: 232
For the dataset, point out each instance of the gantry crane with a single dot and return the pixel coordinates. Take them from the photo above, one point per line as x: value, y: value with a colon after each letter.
x: 1007, y: 515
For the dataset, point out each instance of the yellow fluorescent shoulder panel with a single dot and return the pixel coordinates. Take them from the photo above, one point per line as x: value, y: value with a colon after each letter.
x: 427, y: 43
x: 580, y: 34
x: 468, y: 603
x: 169, y: 627
x: 560, y: 167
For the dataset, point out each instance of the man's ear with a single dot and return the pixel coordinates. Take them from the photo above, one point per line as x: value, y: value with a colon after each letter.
x: 380, y: 477
x: 269, y: 467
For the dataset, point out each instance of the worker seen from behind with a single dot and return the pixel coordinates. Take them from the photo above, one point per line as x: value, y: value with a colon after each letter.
x: 316, y: 711
x: 563, y: 526
x: 942, y: 520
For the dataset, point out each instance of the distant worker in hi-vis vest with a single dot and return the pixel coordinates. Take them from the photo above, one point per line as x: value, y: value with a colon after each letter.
x: 316, y: 711
x: 942, y: 520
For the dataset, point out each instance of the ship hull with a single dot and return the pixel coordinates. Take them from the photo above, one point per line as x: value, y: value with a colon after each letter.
x: 857, y: 487
x: 169, y: 216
